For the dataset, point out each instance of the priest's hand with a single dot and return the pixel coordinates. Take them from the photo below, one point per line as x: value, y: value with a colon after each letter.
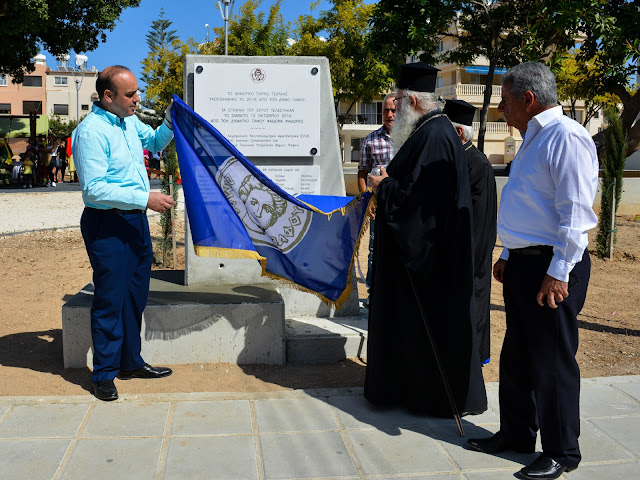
x: 498, y: 269
x: 553, y: 290
x: 374, y: 180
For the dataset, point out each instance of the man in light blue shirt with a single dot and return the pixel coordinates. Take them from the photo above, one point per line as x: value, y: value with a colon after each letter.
x: 107, y: 150
x: 545, y: 214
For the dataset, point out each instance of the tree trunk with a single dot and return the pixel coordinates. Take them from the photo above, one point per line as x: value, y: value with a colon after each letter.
x: 484, y: 113
x: 631, y: 108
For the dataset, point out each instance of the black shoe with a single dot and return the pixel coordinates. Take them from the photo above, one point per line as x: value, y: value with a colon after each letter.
x: 497, y: 444
x: 105, y: 390
x: 544, y: 468
x: 145, y: 372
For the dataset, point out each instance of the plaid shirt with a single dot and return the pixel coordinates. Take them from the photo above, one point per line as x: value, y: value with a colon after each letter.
x: 376, y: 150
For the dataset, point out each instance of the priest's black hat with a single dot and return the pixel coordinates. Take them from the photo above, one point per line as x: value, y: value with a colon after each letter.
x: 460, y: 112
x: 418, y: 77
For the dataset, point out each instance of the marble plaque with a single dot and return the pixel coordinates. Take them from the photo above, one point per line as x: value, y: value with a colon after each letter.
x: 265, y: 110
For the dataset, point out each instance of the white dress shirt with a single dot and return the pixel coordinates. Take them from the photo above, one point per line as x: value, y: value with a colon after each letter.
x: 549, y: 196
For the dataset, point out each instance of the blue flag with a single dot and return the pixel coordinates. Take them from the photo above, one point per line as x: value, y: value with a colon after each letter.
x: 235, y: 211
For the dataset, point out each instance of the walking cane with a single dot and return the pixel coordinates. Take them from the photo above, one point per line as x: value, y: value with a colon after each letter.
x: 436, y: 354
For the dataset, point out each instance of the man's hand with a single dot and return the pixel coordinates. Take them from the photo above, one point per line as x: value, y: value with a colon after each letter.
x: 374, y: 180
x: 167, y: 115
x: 498, y: 269
x: 553, y: 290
x: 159, y: 202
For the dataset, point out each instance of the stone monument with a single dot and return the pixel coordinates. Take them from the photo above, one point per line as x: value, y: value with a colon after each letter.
x: 279, y: 112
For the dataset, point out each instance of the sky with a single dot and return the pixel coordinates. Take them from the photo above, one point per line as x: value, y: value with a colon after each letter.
x: 126, y: 44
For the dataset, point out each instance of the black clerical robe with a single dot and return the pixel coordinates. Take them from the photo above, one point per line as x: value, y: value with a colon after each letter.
x: 483, y: 199
x: 423, y: 229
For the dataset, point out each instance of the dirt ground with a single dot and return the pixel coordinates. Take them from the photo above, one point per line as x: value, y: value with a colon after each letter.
x: 42, y: 270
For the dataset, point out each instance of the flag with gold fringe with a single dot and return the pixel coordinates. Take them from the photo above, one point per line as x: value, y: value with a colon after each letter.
x: 235, y: 211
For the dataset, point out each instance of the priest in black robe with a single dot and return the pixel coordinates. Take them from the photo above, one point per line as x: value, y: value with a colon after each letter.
x: 423, y: 241
x: 483, y: 200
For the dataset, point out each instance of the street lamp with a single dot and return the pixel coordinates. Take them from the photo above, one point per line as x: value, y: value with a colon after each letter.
x: 78, y: 77
x: 225, y: 16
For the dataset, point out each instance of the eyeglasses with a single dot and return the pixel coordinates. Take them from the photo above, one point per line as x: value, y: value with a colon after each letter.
x: 395, y: 100
x: 392, y: 110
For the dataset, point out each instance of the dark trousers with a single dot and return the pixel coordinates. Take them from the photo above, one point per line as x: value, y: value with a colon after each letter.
x: 120, y: 251
x: 539, y: 374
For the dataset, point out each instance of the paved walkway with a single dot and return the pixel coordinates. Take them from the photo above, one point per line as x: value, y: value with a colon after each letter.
x: 329, y: 434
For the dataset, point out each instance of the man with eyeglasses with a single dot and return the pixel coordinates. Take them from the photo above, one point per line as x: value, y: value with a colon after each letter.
x: 422, y: 275
x: 376, y: 151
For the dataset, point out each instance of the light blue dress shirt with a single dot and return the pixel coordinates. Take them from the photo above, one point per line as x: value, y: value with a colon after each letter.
x: 107, y: 152
x: 549, y: 196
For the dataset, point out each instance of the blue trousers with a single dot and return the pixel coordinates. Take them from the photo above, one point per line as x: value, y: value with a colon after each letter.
x: 539, y: 374
x: 120, y: 252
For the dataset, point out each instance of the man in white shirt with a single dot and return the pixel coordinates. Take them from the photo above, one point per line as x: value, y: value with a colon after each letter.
x: 545, y: 214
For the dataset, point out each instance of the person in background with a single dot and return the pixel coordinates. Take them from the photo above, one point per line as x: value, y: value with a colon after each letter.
x: 376, y: 150
x: 62, y: 155
x: 27, y: 168
x: 54, y: 161
x: 482, y: 182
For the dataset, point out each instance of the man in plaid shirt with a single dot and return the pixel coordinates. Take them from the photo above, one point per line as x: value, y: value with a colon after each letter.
x: 375, y: 151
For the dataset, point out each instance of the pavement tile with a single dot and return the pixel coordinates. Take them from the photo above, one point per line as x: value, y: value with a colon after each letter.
x: 422, y: 477
x: 486, y: 418
x: 127, y: 420
x: 43, y: 421
x: 494, y: 401
x: 472, y: 460
x: 605, y: 401
x: 110, y: 458
x: 406, y: 452
x: 609, y: 471
x: 357, y: 412
x: 507, y: 474
x: 211, y: 417
x: 304, y: 455
x: 212, y: 458
x: 3, y: 409
x: 624, y: 430
x: 294, y: 415
x: 18, y: 458
x: 595, y: 446
x: 632, y: 389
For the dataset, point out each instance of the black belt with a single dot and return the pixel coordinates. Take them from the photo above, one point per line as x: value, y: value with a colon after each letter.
x: 533, y: 250
x: 117, y: 211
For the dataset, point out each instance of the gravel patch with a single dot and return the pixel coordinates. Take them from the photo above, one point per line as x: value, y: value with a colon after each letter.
x: 28, y: 211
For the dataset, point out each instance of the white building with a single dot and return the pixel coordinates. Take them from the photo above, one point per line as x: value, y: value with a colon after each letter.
x: 71, y: 89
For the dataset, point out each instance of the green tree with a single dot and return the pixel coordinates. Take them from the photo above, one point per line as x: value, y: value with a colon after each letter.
x: 58, y: 26
x: 252, y: 33
x: 575, y: 84
x: 496, y: 31
x: 615, y: 154
x: 609, y: 32
x: 356, y: 73
x: 60, y: 128
x: 160, y: 36
x: 164, y: 65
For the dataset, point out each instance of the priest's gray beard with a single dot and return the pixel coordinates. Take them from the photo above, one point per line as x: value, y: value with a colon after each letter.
x: 405, y: 122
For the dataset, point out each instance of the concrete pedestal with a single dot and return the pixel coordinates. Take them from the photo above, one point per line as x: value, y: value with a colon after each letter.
x: 241, y: 324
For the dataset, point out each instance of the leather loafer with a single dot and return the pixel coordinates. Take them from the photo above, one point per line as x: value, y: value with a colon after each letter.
x: 105, y: 390
x: 147, y: 371
x: 544, y: 468
x: 497, y: 444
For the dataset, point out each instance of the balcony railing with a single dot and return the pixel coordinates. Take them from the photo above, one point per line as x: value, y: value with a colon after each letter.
x: 493, y: 127
x: 469, y: 90
x: 361, y: 118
